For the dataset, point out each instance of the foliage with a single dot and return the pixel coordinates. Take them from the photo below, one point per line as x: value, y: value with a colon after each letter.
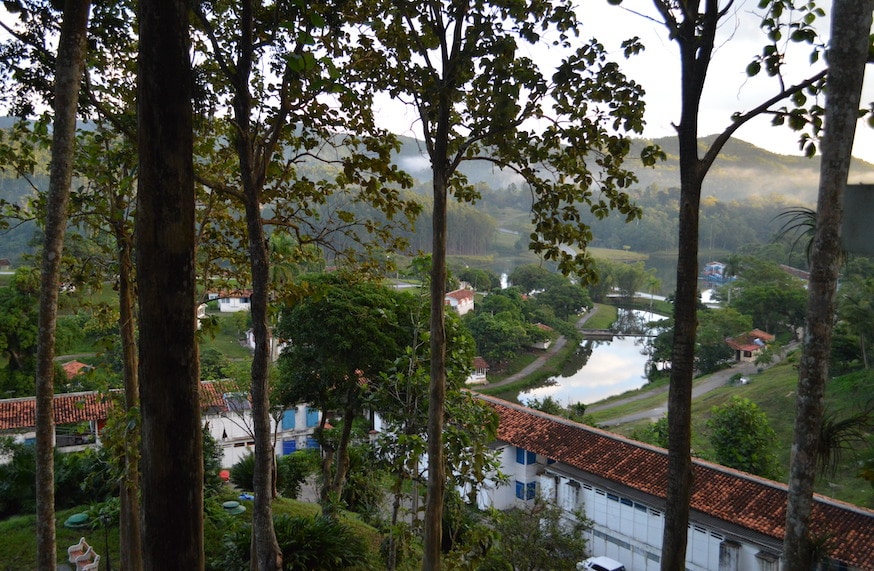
x: 213, y: 363
x: 773, y: 298
x: 548, y: 405
x: 532, y: 277
x: 481, y: 279
x: 742, y: 438
x: 655, y: 433
x: 537, y: 537
x: 18, y: 333
x: 80, y: 478
x: 306, y: 543
x: 293, y: 469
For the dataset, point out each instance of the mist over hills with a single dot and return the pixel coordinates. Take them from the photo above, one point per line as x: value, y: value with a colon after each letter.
x: 741, y: 171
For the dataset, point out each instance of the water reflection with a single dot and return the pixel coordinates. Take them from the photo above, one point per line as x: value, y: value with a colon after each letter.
x: 599, y: 369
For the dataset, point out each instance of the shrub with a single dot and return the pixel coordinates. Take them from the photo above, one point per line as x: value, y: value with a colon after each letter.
x: 306, y: 543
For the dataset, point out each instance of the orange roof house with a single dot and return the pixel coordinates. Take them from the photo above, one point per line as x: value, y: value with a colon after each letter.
x: 747, y: 346
x: 73, y: 368
x: 621, y: 485
x: 461, y: 300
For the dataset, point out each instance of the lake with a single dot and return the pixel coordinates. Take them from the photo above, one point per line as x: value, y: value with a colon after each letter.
x: 600, y: 369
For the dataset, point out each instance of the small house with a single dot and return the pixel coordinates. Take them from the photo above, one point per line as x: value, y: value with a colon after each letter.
x: 480, y: 371
x: 232, y: 301
x: 747, y: 347
x: 461, y: 300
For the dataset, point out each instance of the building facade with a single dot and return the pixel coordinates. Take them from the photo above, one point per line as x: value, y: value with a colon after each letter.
x: 736, y: 521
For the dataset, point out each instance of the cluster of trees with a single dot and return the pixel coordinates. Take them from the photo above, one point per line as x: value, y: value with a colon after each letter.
x: 250, y: 90
x: 507, y: 321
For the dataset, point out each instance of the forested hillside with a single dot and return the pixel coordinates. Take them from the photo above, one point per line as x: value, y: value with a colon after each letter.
x: 746, y: 190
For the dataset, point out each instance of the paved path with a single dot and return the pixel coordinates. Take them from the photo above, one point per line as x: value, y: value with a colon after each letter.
x: 702, y: 386
x: 532, y: 367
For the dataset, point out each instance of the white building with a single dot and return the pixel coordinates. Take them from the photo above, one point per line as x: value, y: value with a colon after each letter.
x: 79, y: 418
x: 461, y: 300
x: 228, y: 416
x: 736, y: 520
x: 232, y: 301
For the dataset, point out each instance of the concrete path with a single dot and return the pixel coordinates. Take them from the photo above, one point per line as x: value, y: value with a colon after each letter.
x: 532, y: 367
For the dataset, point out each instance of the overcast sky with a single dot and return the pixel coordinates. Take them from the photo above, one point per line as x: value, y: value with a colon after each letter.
x: 728, y: 89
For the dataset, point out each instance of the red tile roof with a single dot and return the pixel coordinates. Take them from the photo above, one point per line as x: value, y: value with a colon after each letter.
x: 17, y: 414
x: 73, y: 368
x: 20, y: 414
x: 752, y: 341
x: 461, y: 294
x: 730, y: 495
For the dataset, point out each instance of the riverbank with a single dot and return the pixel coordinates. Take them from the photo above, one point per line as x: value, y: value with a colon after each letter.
x: 547, y: 361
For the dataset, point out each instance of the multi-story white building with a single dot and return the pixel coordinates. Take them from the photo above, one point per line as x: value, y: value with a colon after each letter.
x: 736, y: 522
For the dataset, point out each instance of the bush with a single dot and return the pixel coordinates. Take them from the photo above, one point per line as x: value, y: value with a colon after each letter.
x: 306, y: 543
x: 291, y: 471
x: 243, y: 472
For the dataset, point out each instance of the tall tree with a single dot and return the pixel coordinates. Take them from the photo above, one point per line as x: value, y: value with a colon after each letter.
x: 343, y: 337
x: 276, y: 120
x: 848, y: 53
x: 172, y: 458
x: 694, y: 26
x: 107, y: 162
x: 70, y: 64
x: 472, y: 91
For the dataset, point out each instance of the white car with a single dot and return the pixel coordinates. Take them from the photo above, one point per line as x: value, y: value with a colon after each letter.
x: 600, y: 564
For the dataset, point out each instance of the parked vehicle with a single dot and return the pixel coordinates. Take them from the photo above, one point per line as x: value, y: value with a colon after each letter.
x: 600, y: 564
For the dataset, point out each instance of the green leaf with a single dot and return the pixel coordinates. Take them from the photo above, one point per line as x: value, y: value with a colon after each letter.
x: 753, y: 68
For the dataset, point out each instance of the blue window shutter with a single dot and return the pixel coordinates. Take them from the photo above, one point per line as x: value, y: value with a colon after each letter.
x: 312, y: 417
x: 288, y: 419
x: 289, y: 446
x: 525, y: 457
x: 530, y: 490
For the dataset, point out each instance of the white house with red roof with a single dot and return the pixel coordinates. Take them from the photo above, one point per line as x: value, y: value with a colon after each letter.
x: 461, y: 300
x: 736, y: 519
x: 227, y: 413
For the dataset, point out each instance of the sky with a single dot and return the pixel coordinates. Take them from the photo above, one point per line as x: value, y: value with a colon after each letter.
x: 727, y: 90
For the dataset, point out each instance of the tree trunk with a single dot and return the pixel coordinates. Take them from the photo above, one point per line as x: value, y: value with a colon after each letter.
x: 172, y: 446
x: 848, y: 52
x: 343, y: 449
x: 266, y: 554
x: 130, y: 541
x: 680, y: 478
x: 437, y: 391
x: 70, y: 65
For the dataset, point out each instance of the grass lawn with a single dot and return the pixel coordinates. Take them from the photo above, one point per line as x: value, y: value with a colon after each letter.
x: 773, y: 390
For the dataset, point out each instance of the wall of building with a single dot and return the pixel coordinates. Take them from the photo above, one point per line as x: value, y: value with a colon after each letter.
x: 233, y: 431
x: 625, y: 527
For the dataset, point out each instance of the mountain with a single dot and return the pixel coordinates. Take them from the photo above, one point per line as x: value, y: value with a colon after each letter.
x: 741, y: 171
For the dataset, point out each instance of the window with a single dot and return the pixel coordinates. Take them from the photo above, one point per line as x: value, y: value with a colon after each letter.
x: 767, y: 561
x: 288, y: 419
x: 525, y: 490
x: 312, y: 417
x: 525, y: 457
